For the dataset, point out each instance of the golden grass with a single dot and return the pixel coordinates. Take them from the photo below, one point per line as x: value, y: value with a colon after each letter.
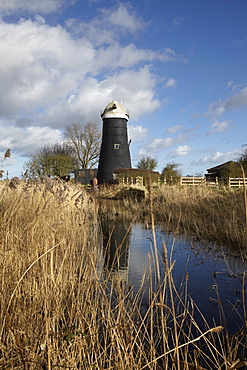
x: 58, y: 310
x: 217, y: 215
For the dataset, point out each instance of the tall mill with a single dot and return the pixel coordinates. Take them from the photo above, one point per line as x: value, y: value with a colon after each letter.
x: 114, y: 151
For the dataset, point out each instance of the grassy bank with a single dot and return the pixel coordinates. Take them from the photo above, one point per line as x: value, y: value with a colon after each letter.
x: 213, y: 214
x: 60, y: 311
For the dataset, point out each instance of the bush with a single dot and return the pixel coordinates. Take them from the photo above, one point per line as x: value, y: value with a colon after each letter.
x: 132, y: 172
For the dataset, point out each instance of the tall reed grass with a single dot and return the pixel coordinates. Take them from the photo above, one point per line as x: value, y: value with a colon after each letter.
x: 217, y: 215
x: 59, y: 310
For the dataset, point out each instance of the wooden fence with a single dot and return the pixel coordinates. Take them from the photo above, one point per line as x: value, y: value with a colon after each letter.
x: 186, y: 181
x: 193, y: 181
x: 138, y: 180
x: 237, y: 182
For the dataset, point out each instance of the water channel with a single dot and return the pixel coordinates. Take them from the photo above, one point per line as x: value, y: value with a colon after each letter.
x: 215, y: 280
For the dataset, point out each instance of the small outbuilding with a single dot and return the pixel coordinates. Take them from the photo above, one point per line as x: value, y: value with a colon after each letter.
x: 85, y: 176
x: 223, y: 171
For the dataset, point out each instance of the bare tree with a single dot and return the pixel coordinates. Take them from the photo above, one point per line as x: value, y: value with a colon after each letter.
x: 85, y: 141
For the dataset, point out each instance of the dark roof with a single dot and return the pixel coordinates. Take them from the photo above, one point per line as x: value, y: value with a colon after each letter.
x: 220, y: 166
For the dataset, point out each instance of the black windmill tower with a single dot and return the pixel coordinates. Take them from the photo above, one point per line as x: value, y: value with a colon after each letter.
x: 114, y: 151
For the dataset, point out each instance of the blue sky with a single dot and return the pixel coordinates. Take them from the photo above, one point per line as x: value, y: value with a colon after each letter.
x: 178, y: 66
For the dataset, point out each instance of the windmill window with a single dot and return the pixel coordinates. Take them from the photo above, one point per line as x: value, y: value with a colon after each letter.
x: 116, y: 146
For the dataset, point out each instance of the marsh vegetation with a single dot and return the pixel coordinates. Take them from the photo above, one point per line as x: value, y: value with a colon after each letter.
x: 217, y: 215
x: 59, y: 310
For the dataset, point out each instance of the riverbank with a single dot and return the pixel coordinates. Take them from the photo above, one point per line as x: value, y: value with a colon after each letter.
x: 216, y: 215
x: 59, y: 310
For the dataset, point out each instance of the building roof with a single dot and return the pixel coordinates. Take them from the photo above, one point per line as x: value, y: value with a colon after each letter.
x: 115, y: 110
x: 220, y: 167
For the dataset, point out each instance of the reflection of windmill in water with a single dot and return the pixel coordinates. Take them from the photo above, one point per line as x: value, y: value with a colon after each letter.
x: 116, y: 237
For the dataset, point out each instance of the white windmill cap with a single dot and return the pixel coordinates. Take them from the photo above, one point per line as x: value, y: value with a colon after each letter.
x: 115, y: 110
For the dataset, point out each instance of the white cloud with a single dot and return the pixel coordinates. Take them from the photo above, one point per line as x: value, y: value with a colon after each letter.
x: 216, y: 109
x: 128, y: 56
x: 174, y: 129
x: 38, y: 66
x: 217, y: 157
x: 180, y: 151
x: 33, y: 6
x: 159, y: 143
x: 142, y: 152
x: 41, y: 78
x: 229, y: 83
x: 26, y: 141
x: 51, y: 76
x: 219, y: 127
x: 171, y: 82
x: 155, y: 147
x: 236, y: 102
x: 136, y: 133
x: 135, y: 88
x: 177, y: 21
x: 23, y: 143
x: 124, y: 18
x: 166, y: 101
x: 108, y: 25
x: 239, y: 43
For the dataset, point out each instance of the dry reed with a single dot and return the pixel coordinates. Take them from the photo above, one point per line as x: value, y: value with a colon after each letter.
x: 217, y: 215
x: 59, y: 310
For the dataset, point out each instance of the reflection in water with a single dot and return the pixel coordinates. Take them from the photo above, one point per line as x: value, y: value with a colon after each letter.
x: 214, y: 281
x: 116, y: 237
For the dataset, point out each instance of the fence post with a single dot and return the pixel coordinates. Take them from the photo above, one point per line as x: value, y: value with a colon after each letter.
x: 245, y: 195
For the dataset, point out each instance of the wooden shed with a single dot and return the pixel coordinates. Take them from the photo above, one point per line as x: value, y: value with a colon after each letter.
x: 224, y: 171
x: 84, y: 176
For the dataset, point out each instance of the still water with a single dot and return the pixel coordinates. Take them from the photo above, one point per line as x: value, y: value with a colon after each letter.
x: 215, y: 280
